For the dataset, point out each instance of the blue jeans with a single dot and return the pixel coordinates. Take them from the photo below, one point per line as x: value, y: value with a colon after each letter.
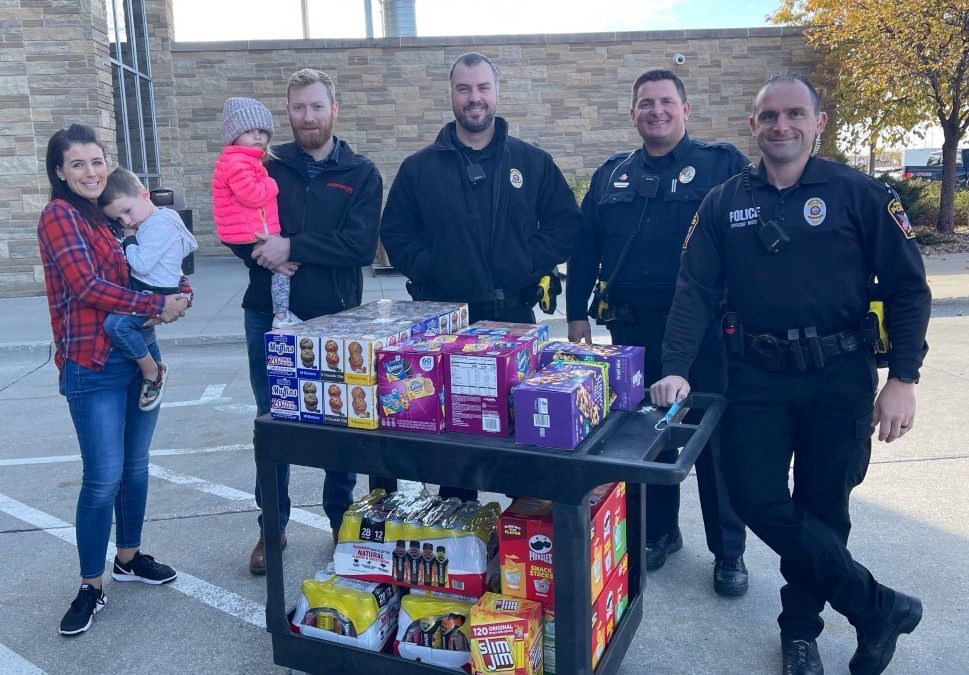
x: 114, y: 436
x: 125, y: 331
x: 338, y: 485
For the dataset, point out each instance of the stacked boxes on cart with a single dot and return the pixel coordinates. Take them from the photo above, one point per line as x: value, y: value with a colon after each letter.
x: 324, y: 371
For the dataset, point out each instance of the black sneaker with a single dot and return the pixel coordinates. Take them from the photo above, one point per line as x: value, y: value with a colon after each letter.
x: 89, y: 601
x: 142, y: 568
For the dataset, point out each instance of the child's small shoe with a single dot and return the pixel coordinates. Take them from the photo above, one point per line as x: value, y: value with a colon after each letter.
x: 151, y: 391
x: 289, y: 320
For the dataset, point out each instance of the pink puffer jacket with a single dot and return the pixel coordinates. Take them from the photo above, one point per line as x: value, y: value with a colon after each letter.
x: 243, y: 196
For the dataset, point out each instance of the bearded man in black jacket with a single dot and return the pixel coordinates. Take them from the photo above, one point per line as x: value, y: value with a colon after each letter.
x: 479, y: 216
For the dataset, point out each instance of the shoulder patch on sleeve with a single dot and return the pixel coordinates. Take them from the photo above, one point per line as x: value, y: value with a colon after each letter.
x: 689, y: 233
x: 897, y: 213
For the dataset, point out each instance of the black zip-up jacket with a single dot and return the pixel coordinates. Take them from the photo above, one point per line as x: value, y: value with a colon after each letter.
x: 843, y: 226
x: 332, y: 223
x: 432, y: 231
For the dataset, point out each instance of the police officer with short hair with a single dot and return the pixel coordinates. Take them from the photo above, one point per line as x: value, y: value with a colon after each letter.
x: 794, y: 244
x: 635, y: 217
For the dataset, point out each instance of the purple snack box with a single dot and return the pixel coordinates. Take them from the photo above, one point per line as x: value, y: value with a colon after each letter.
x: 559, y: 406
x: 410, y: 387
x: 478, y: 379
x: 626, y: 367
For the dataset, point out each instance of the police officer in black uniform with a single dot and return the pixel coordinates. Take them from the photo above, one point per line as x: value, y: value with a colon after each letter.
x: 635, y: 217
x: 794, y: 243
x: 479, y: 216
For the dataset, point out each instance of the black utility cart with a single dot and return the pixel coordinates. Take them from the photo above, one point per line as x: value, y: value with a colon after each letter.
x: 620, y: 449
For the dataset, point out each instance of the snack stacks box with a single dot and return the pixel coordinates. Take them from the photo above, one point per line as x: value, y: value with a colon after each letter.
x: 506, y: 636
x: 284, y: 397
x: 607, y: 504
x: 525, y: 543
x: 334, y: 404
x: 310, y: 406
x: 410, y: 387
x: 478, y: 379
x: 418, y: 541
x: 506, y: 330
x: 626, y: 367
x: 557, y: 407
x: 357, y: 613
x: 362, y: 411
x: 434, y: 630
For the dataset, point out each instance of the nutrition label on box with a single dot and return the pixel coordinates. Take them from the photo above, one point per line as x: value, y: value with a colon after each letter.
x: 474, y: 376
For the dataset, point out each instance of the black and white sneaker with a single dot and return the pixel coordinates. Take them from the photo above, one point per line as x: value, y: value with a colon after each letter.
x: 89, y: 601
x: 142, y: 568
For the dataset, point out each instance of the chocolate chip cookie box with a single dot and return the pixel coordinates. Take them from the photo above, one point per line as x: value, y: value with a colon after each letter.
x: 626, y: 367
x: 560, y: 405
x: 410, y: 387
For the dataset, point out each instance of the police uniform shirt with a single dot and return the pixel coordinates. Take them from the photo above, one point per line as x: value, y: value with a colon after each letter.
x: 484, y: 191
x: 613, y: 206
x: 843, y: 226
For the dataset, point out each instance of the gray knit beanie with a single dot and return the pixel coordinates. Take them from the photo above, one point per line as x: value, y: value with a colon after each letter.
x: 240, y: 115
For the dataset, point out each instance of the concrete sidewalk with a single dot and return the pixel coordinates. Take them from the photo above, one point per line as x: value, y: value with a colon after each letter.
x: 220, y: 283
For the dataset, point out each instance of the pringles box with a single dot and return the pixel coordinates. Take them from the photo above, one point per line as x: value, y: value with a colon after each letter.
x: 506, y: 636
x: 626, y: 367
x: 478, y: 382
x: 560, y: 405
x: 525, y: 544
x: 410, y: 387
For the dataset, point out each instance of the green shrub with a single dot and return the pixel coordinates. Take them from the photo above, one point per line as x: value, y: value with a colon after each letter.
x: 579, y: 186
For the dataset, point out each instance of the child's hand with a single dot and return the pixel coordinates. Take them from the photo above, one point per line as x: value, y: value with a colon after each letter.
x: 129, y: 230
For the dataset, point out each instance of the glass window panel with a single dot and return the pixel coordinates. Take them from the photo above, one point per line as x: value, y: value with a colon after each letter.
x: 121, y: 128
x: 148, y: 125
x: 124, y: 34
x: 134, y: 123
x: 109, y: 6
x: 139, y: 28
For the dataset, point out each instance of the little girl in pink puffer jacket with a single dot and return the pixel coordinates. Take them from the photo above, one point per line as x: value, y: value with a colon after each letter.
x: 243, y: 194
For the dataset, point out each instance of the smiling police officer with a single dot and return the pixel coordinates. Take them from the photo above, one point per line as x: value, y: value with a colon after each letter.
x: 794, y: 243
x: 635, y: 216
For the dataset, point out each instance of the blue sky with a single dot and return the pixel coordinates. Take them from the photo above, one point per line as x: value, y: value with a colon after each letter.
x: 248, y: 19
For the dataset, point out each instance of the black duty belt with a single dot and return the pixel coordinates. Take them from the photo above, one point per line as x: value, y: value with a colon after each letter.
x: 803, y: 350
x: 504, y: 301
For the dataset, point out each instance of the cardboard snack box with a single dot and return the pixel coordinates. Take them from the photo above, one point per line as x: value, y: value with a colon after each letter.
x: 410, y: 387
x: 626, y: 367
x: 506, y: 636
x: 560, y: 405
x: 362, y: 406
x: 478, y: 382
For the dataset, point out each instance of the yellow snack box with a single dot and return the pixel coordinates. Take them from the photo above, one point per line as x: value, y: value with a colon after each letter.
x: 506, y: 636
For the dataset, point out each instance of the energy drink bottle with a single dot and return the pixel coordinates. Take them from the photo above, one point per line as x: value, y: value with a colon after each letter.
x: 442, y: 562
x: 414, y: 563
x: 428, y: 564
x: 431, y: 634
x: 400, y: 560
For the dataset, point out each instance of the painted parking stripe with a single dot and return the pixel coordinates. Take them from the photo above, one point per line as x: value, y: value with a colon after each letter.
x: 212, y: 394
x: 162, y: 452
x: 195, y: 588
x: 11, y: 663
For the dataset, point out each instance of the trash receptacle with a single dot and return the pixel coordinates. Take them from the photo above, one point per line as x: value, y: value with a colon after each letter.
x: 166, y: 197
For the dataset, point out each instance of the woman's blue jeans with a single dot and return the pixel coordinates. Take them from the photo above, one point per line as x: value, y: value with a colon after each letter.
x: 114, y: 436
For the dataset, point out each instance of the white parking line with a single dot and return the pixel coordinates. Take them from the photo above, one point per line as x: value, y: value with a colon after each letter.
x: 198, y: 589
x: 212, y: 394
x: 163, y: 452
x: 11, y: 663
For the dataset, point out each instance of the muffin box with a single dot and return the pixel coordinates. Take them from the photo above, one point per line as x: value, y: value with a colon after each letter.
x: 410, y: 387
x: 626, y: 367
x: 557, y: 407
x: 284, y: 397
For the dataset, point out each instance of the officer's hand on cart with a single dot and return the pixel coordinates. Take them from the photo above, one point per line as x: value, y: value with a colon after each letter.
x: 580, y: 331
x: 671, y: 389
x: 894, y: 412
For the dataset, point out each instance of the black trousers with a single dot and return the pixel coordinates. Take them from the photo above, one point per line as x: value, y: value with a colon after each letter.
x: 725, y: 532
x: 821, y: 418
x: 519, y: 314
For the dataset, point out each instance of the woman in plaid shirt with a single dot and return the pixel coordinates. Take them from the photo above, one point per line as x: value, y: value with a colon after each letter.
x: 86, y: 277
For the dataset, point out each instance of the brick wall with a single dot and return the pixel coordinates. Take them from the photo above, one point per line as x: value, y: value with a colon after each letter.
x: 569, y: 94
x: 53, y: 71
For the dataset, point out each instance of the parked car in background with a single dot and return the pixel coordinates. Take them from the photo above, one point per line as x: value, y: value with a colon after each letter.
x: 932, y: 169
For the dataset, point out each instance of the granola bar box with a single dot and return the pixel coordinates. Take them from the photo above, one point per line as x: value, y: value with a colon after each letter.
x: 558, y: 406
x: 410, y: 387
x: 626, y: 367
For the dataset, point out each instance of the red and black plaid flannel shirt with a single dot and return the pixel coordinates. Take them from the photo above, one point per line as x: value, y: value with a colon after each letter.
x: 86, y: 276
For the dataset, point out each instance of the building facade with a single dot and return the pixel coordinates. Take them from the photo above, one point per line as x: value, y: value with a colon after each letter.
x: 157, y: 103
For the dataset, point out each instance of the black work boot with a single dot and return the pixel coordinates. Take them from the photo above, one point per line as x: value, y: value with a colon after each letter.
x: 658, y: 550
x: 877, y: 646
x: 801, y: 657
x: 730, y: 576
